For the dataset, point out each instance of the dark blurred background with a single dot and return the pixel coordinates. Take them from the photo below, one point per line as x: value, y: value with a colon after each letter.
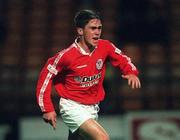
x: 146, y: 30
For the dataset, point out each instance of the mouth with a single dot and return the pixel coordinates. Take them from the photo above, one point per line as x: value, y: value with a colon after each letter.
x: 95, y: 38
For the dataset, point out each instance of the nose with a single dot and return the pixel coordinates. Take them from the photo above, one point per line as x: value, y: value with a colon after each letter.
x: 98, y: 31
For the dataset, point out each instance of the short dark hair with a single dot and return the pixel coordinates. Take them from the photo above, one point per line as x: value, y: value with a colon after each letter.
x: 82, y: 17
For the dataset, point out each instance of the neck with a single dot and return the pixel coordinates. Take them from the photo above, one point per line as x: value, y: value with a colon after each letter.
x: 87, y: 48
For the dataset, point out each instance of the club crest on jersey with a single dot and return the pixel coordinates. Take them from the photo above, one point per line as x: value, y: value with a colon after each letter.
x: 99, y: 64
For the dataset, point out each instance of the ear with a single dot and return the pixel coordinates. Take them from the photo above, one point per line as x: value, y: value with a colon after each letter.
x: 80, y: 31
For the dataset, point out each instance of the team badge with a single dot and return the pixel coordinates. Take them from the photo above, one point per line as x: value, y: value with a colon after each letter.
x: 99, y: 64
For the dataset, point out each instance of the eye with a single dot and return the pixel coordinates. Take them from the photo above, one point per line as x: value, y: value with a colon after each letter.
x: 93, y: 28
x: 100, y: 27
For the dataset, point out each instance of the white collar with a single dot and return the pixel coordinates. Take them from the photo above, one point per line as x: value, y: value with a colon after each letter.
x: 81, y: 49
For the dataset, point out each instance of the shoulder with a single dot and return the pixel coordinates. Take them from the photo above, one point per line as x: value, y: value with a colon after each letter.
x: 63, y: 55
x: 109, y: 46
x: 66, y: 52
x: 104, y: 42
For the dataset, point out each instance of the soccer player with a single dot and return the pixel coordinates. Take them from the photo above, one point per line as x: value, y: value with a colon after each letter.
x: 77, y: 74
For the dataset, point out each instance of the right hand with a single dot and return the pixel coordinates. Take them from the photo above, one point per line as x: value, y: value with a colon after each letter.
x: 50, y: 117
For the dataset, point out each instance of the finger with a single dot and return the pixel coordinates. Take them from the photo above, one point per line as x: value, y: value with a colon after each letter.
x: 138, y: 84
x: 54, y: 124
x: 133, y: 84
x: 129, y: 82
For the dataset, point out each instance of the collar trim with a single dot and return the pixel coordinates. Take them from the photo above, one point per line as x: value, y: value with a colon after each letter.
x: 77, y: 46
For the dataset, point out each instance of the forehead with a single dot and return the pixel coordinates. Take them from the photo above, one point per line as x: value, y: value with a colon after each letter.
x: 94, y: 22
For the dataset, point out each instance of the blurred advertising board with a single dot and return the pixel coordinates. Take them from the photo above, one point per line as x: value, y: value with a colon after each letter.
x: 153, y: 126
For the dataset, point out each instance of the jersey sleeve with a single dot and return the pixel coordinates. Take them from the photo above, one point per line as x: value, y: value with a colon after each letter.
x: 44, y: 84
x: 120, y: 60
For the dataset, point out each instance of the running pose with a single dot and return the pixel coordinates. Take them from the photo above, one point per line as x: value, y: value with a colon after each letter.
x: 77, y: 74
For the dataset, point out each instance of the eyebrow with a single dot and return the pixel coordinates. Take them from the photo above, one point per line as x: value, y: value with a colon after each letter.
x: 96, y: 27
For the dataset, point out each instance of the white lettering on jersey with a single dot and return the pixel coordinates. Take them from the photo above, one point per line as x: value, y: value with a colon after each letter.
x: 88, y: 81
x: 90, y: 84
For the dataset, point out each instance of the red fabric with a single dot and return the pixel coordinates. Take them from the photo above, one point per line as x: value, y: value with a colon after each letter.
x: 80, y: 76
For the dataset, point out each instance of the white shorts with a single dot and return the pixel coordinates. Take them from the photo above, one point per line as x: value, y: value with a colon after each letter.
x: 74, y: 114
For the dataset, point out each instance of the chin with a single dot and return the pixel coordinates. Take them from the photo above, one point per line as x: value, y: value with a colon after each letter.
x: 94, y: 44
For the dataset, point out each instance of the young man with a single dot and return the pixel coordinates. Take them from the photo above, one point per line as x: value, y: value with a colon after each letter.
x: 77, y: 74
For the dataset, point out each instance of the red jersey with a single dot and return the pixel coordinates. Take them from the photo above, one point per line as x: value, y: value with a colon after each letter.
x: 78, y: 75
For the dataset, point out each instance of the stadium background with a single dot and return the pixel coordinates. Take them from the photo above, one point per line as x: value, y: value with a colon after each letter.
x: 32, y: 30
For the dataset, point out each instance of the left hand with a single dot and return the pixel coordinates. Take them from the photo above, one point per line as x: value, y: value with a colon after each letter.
x: 133, y: 80
x: 50, y: 117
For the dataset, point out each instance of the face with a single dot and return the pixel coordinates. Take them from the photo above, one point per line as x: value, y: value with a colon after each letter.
x: 91, y: 33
